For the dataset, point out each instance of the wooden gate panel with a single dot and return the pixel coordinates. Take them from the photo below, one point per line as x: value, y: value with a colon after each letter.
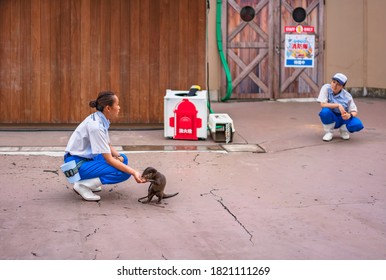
x: 302, y: 82
x: 56, y: 55
x: 255, y: 49
x: 248, y: 49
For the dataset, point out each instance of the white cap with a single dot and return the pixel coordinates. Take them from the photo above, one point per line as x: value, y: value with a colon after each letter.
x: 341, y: 78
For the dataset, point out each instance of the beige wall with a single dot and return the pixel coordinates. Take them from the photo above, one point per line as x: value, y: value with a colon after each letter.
x: 355, y: 43
x: 344, y: 40
x: 376, y: 43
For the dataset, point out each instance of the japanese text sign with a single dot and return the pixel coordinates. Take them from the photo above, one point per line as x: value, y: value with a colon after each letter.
x: 299, y: 50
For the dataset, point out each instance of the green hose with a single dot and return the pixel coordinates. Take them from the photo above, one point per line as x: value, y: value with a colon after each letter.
x: 220, y: 50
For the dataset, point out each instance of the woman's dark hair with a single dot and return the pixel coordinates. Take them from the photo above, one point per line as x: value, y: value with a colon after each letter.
x: 104, y: 98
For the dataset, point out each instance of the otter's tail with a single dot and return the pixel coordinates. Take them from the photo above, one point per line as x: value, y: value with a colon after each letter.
x: 170, y: 195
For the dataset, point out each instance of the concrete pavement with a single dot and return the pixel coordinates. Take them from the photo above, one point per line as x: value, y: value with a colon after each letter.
x: 292, y: 196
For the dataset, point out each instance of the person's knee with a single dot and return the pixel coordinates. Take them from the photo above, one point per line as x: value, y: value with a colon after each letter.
x: 355, y: 125
x: 125, y: 159
x: 325, y: 112
x: 123, y: 177
x: 116, y: 178
x: 326, y: 116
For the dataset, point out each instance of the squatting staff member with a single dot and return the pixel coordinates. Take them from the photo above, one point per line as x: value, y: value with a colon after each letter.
x: 91, y: 142
x: 338, y: 109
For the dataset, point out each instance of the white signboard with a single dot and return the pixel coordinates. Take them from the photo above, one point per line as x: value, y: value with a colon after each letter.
x: 299, y: 50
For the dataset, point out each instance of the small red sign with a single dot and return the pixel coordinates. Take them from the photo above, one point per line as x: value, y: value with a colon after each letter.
x: 308, y: 29
x: 299, y: 29
x: 288, y: 29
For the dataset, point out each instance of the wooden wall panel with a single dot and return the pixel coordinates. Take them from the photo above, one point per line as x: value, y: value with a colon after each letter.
x: 45, y: 62
x: 64, y: 60
x: 134, y: 61
x: 124, y: 59
x: 75, y: 69
x: 57, y: 60
x: 81, y: 98
x: 26, y: 95
x: 15, y: 58
x: 5, y: 58
x: 144, y: 63
x: 115, y: 31
x: 95, y: 55
x: 154, y: 58
x: 163, y: 53
x: 56, y: 55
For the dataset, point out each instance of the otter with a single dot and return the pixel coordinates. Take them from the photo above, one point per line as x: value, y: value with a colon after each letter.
x: 157, y: 185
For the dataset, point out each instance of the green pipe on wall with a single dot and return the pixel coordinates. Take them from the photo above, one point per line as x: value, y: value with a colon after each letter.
x: 221, y: 52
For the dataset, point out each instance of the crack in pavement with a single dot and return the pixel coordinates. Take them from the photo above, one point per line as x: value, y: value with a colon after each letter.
x: 301, y: 147
x: 326, y: 204
x: 95, y: 231
x: 219, y: 199
x: 195, y: 159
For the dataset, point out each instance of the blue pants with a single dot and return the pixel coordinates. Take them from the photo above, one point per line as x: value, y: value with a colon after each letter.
x: 327, y: 116
x: 99, y: 168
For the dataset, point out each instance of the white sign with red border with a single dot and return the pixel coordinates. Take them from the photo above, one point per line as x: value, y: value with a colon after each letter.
x: 299, y: 50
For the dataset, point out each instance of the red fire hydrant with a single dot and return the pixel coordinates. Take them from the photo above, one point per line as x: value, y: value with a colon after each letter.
x: 185, y: 121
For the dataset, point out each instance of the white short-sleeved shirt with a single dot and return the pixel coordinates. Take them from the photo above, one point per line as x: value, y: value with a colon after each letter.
x: 344, y: 98
x: 91, y: 137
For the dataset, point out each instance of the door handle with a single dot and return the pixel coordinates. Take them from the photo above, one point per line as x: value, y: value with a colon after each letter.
x: 277, y: 49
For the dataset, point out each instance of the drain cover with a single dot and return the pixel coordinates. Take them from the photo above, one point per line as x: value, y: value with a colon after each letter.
x: 253, y: 148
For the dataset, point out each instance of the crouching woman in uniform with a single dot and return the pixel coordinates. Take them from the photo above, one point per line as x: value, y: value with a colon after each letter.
x: 90, y: 145
x: 338, y: 109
